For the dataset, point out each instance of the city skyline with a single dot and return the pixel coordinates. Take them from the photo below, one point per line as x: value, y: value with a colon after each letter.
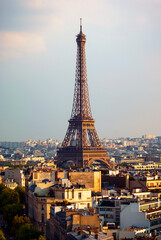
x: 37, y: 67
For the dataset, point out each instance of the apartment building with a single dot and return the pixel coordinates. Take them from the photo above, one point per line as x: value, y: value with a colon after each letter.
x: 77, y: 194
x: 148, y: 166
x: 42, y: 193
x: 146, y: 182
x: 71, y: 221
x: 109, y: 209
x: 15, y: 174
x: 145, y: 214
x: 91, y: 179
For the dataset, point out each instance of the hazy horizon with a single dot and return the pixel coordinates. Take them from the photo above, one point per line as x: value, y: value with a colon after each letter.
x: 132, y: 137
x: 38, y: 59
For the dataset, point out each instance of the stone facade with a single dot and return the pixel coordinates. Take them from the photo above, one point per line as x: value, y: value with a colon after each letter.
x: 15, y: 174
x: 68, y: 220
x: 81, y: 197
x: 39, y: 211
x: 42, y: 174
x: 91, y: 180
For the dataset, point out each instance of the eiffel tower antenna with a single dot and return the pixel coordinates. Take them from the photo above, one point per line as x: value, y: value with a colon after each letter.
x: 80, y: 25
x: 81, y: 143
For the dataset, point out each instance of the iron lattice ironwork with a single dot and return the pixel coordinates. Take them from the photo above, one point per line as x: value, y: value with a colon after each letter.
x: 81, y: 143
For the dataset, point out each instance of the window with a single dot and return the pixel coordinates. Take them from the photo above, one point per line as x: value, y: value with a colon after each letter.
x: 72, y: 193
x: 62, y: 195
x: 102, y: 209
x: 117, y: 203
x: 109, y: 216
x: 42, y: 218
x: 101, y: 214
x: 42, y: 207
x: 52, y: 194
x: 35, y: 176
x: 79, y: 196
x: 117, y: 211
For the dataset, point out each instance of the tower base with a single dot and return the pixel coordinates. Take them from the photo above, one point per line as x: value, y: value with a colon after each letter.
x: 82, y: 157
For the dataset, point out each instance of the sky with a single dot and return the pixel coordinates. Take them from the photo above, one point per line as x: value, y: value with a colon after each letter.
x: 38, y: 59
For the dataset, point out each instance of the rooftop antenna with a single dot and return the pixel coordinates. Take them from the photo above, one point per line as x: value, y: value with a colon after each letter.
x: 80, y: 25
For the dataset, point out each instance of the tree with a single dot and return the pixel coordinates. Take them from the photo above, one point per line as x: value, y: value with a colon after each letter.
x: 42, y: 238
x: 2, y: 186
x: 17, y: 223
x: 21, y: 192
x: 8, y: 196
x: 28, y: 232
x: 2, y: 237
x: 12, y: 210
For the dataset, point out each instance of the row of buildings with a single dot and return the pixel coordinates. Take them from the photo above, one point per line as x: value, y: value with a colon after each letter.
x: 88, y: 204
x: 141, y: 149
x: 59, y: 199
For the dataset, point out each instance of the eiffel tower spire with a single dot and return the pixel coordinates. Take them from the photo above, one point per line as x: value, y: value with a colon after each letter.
x: 81, y: 136
x: 81, y: 105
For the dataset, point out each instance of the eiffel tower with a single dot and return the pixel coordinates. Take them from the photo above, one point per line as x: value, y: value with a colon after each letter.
x: 81, y: 143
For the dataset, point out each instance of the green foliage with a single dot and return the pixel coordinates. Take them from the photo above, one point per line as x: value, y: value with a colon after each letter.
x: 8, y: 196
x: 2, y: 186
x: 21, y: 192
x: 11, y: 206
x: 28, y: 232
x: 11, y: 210
x: 2, y: 237
x: 17, y: 223
x: 42, y: 238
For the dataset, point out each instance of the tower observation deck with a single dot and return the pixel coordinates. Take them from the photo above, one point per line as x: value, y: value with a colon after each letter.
x: 81, y: 143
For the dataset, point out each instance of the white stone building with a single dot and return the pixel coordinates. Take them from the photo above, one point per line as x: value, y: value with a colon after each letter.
x: 145, y: 214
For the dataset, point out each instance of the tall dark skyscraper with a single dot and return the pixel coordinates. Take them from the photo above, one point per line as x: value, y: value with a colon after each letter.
x: 81, y: 143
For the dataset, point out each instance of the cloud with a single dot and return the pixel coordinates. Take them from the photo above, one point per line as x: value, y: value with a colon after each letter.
x: 49, y: 22
x: 39, y: 4
x: 16, y: 44
x: 63, y: 12
x: 34, y: 24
